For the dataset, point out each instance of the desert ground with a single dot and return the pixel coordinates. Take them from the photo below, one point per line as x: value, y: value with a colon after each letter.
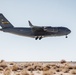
x: 37, y: 68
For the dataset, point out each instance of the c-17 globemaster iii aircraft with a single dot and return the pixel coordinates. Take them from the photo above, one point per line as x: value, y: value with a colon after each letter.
x: 36, y: 32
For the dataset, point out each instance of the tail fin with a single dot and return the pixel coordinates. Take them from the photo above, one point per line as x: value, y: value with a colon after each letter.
x: 4, y: 23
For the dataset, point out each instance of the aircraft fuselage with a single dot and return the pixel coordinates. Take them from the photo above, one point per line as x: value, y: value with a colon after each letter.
x: 51, y: 31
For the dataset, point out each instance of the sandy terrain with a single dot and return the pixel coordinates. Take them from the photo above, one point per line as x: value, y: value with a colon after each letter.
x: 37, y: 68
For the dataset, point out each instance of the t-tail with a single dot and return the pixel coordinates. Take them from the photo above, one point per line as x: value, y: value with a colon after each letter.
x: 4, y: 23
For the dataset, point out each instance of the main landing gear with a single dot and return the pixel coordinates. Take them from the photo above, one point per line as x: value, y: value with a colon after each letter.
x: 38, y: 37
x: 66, y: 36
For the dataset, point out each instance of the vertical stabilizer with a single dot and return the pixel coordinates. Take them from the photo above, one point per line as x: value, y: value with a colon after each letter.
x: 4, y: 23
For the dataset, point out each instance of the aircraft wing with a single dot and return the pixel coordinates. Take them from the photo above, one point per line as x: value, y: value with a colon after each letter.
x: 42, y: 29
x: 35, y: 28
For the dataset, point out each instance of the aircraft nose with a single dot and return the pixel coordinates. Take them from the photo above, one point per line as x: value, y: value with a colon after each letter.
x: 69, y: 31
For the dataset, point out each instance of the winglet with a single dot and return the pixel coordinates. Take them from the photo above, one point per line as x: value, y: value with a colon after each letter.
x: 30, y: 24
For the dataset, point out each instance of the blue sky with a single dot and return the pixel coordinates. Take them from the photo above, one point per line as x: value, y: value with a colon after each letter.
x: 40, y: 13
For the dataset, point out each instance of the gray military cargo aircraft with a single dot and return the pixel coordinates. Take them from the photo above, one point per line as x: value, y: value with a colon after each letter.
x: 36, y: 32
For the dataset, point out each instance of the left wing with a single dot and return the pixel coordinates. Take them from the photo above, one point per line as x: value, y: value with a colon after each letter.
x: 35, y: 28
x: 43, y: 29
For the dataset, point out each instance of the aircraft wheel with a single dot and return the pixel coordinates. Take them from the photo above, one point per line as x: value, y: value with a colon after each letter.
x: 66, y: 36
x: 40, y: 38
x: 36, y: 38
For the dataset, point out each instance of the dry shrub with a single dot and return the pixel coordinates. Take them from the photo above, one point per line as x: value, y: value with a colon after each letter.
x: 38, y: 71
x: 70, y: 67
x: 24, y: 72
x: 46, y: 73
x: 7, y: 71
x: 73, y: 71
x: 20, y: 68
x: 49, y: 72
x: 30, y: 68
x: 37, y: 67
x: 15, y: 67
x: 46, y: 68
x: 61, y: 74
x: 55, y: 67
x: 32, y: 74
x: 3, y: 64
x: 74, y: 67
x: 65, y: 70
x: 58, y: 70
x: 62, y: 61
x: 1, y: 69
x: 66, y: 64
x: 2, y: 61
x: 18, y: 74
x: 12, y: 63
x: 52, y: 65
x: 27, y: 65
